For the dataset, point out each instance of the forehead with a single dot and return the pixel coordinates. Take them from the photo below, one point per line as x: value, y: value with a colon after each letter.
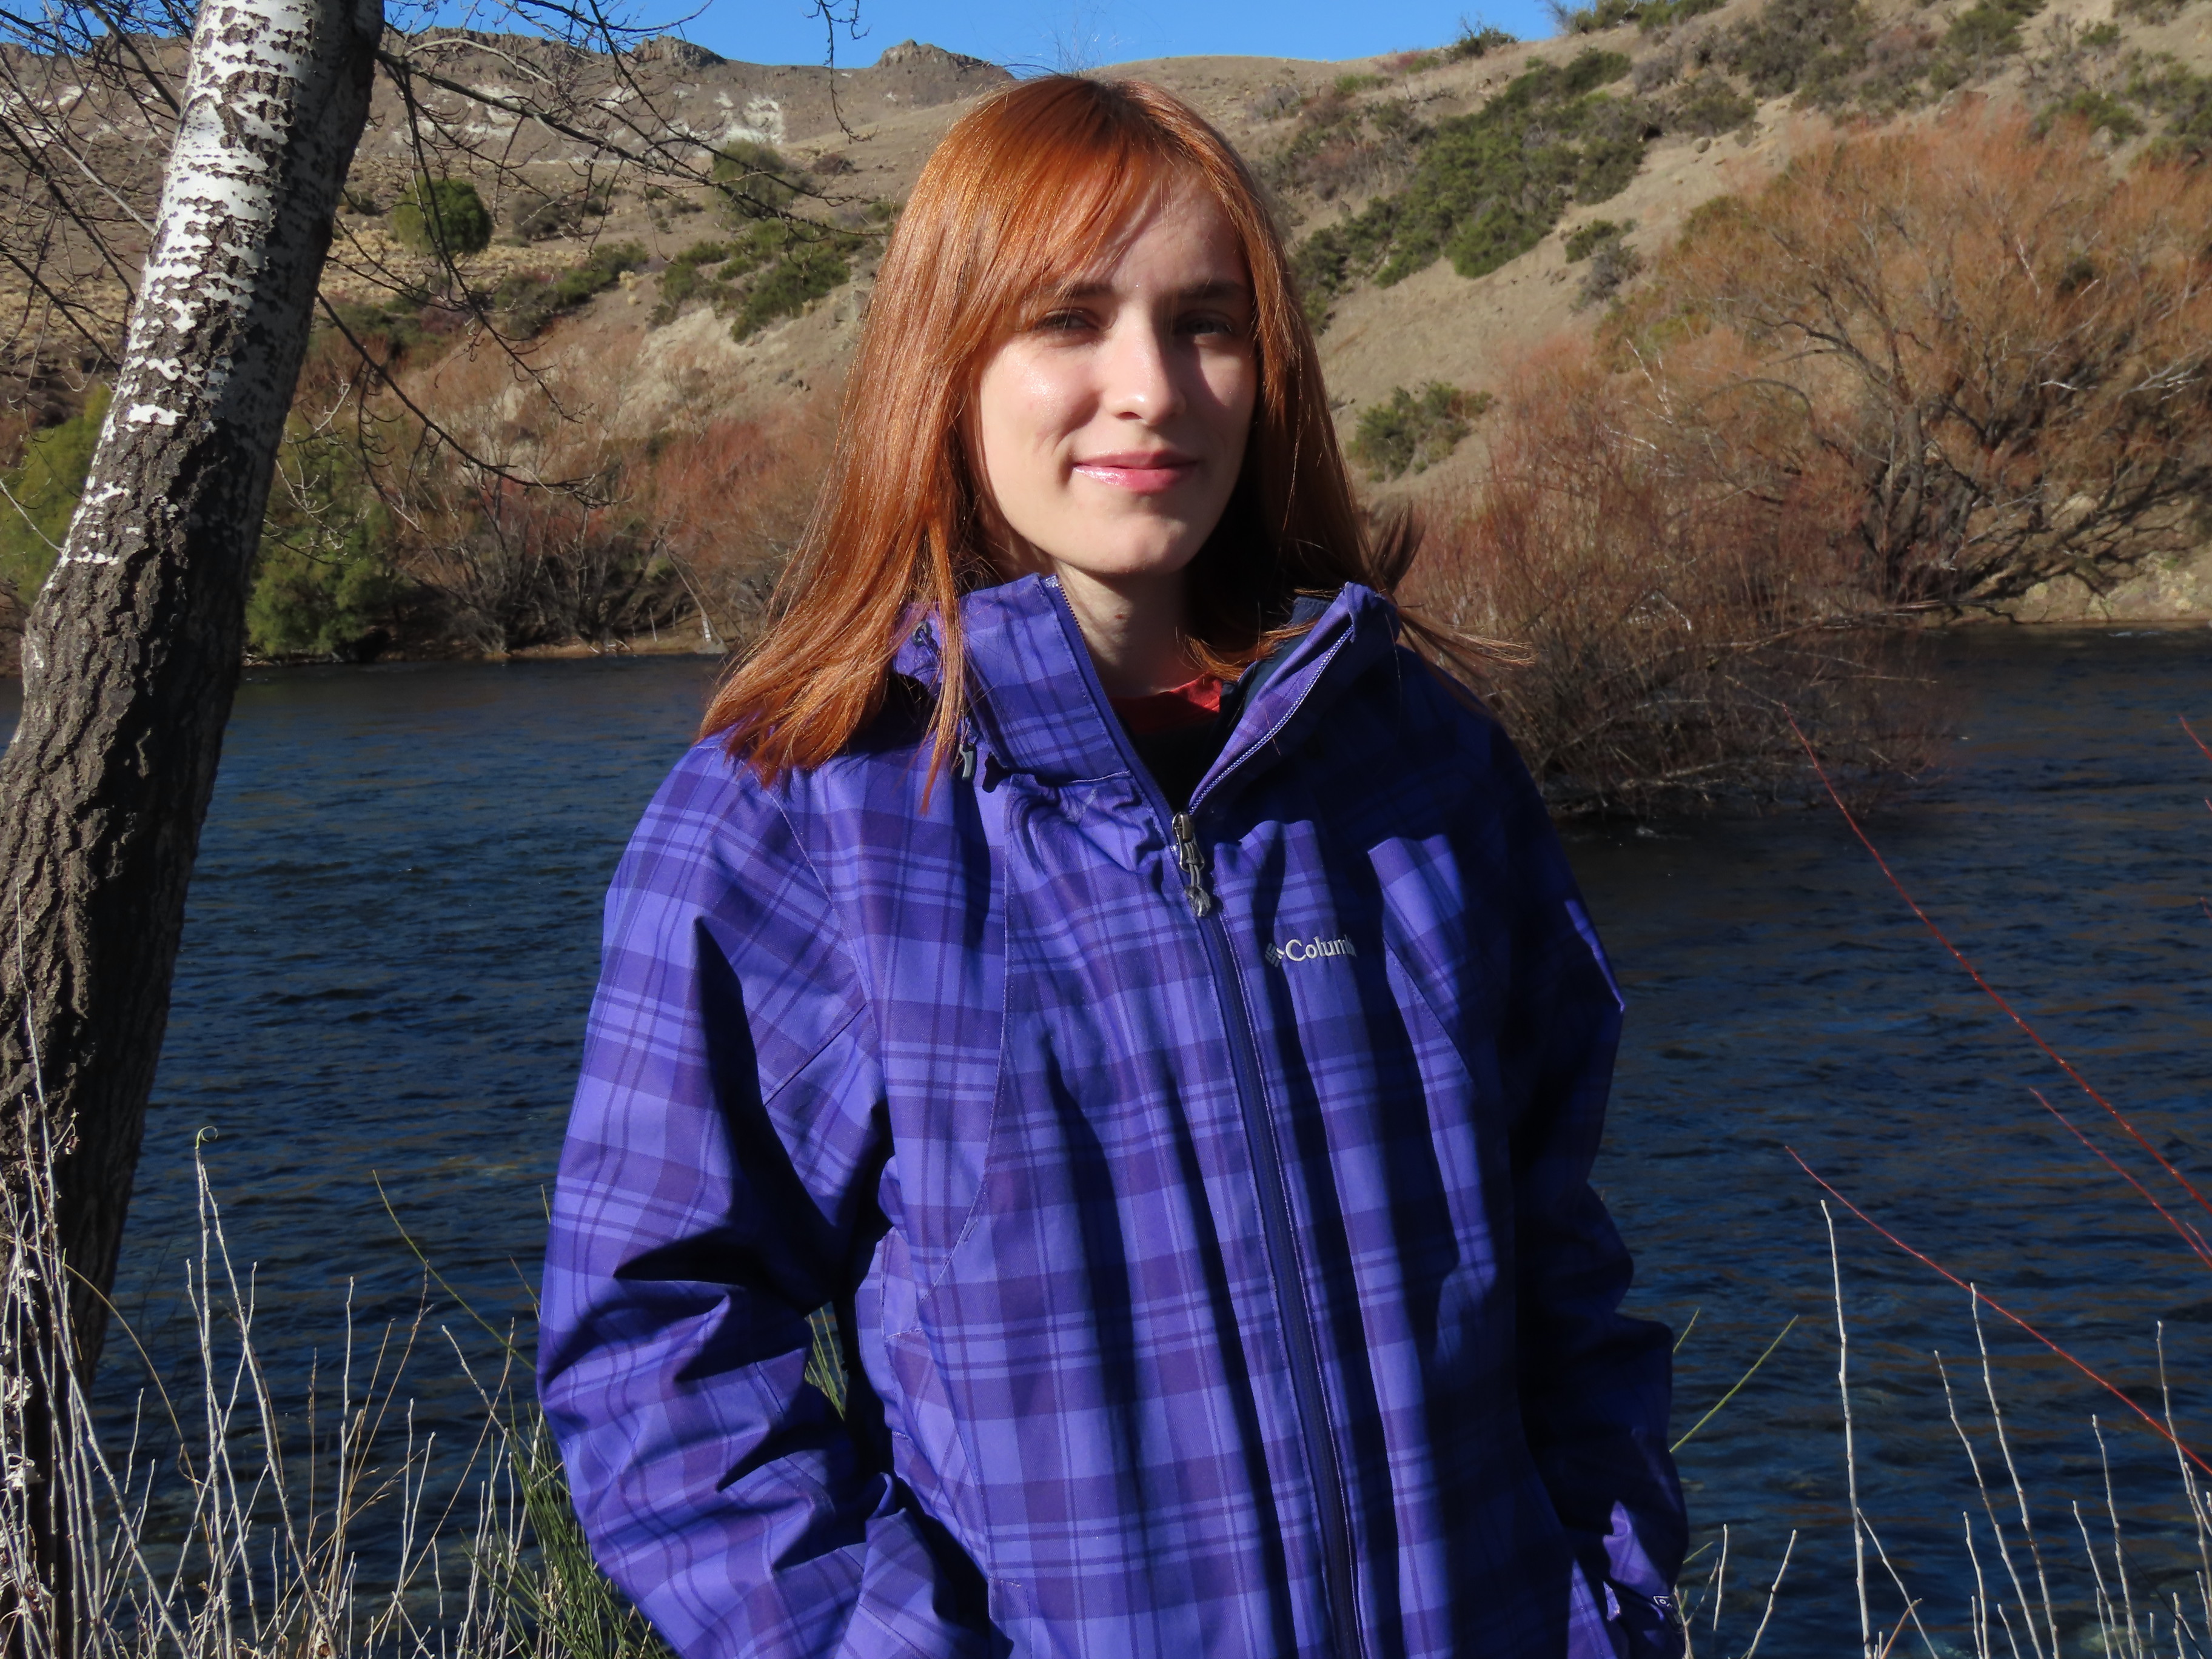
x: 1176, y: 234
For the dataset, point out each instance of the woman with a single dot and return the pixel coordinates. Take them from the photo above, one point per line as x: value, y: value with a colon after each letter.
x: 1089, y: 954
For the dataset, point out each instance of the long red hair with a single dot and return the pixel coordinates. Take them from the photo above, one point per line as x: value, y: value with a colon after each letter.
x: 1026, y: 191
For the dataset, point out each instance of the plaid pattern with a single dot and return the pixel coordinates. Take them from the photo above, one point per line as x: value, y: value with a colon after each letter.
x: 956, y: 1061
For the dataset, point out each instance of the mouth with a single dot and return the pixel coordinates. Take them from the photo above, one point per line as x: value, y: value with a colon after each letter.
x: 1142, y: 472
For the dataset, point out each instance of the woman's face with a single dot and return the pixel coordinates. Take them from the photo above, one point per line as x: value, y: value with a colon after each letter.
x: 1112, y: 424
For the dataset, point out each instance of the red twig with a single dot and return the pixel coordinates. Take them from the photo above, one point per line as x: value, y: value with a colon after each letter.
x: 1989, y: 990
x: 2190, y: 1235
x: 1998, y: 1308
x: 2193, y: 737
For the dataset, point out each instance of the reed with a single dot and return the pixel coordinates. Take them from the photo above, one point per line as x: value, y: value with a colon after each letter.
x: 228, y: 1523
x: 2033, y: 1597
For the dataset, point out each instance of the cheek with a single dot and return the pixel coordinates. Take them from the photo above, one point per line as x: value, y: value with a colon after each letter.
x: 1023, y: 411
x: 1234, y: 383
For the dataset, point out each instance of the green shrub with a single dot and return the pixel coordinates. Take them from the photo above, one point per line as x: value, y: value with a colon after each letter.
x: 1803, y: 46
x: 1598, y: 14
x: 1585, y: 238
x: 2101, y: 36
x: 2184, y: 98
x: 1665, y: 13
x: 1415, y: 430
x: 322, y: 584
x: 1489, y: 185
x: 1343, y: 147
x: 529, y: 300
x: 1709, y: 105
x: 1479, y: 40
x: 1988, y: 28
x: 809, y: 267
x: 2100, y: 111
x: 1611, y: 263
x: 755, y: 182
x: 398, y: 322
x: 442, y: 217
x: 534, y: 214
x: 1648, y: 14
x: 681, y: 281
x: 2149, y: 11
x: 329, y: 602
x: 47, y: 488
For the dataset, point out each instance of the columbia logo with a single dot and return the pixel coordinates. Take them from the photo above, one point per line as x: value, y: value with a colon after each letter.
x: 1310, y: 950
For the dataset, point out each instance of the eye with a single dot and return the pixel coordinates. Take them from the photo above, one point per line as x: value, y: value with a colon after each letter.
x: 1065, y: 319
x: 1210, y: 322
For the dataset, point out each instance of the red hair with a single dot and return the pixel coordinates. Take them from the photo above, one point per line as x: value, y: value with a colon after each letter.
x: 1028, y: 190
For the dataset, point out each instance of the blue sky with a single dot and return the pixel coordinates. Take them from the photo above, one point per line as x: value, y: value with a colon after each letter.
x: 1084, y: 33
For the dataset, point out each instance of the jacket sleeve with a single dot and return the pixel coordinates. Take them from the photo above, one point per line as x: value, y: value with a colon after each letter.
x: 717, y: 1183
x: 1596, y: 1387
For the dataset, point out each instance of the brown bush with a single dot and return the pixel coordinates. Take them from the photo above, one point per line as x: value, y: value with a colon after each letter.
x: 1999, y: 351
x: 1676, y: 622
x: 1915, y: 374
x: 729, y: 503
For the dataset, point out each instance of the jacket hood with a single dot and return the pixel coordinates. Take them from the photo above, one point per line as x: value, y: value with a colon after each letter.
x: 1037, y: 705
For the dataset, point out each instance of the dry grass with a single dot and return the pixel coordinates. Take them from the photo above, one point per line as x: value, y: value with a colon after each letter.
x: 232, y: 1522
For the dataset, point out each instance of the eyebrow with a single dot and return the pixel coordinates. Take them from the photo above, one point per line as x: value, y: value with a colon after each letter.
x: 1225, y: 288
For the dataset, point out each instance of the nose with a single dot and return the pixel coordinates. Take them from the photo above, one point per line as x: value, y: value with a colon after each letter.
x: 1142, y: 381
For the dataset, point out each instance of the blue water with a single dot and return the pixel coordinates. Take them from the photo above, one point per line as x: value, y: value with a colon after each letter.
x: 391, y: 946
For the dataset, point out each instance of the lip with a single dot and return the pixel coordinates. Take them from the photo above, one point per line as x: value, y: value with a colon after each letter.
x: 1141, y: 471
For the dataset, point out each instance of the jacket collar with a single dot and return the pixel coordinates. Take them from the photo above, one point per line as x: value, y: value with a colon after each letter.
x: 1037, y: 707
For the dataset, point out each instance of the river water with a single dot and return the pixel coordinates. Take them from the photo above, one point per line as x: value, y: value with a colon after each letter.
x: 392, y: 944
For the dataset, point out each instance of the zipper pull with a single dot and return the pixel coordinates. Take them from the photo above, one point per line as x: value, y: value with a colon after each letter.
x: 1193, y: 866
x: 965, y: 766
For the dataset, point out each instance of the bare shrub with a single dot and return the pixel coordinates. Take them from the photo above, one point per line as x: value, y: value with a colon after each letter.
x: 2000, y: 349
x: 522, y: 565
x: 730, y: 502
x: 1676, y: 622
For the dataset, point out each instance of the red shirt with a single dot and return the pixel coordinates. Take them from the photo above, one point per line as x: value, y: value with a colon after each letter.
x: 1171, y: 710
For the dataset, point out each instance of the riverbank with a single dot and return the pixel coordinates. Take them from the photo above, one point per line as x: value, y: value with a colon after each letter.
x: 2177, y: 594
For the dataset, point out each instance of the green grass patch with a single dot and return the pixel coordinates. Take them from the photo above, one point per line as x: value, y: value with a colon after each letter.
x: 1487, y: 186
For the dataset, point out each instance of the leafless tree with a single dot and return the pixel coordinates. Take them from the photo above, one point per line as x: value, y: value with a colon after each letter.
x: 1998, y: 349
x: 196, y: 289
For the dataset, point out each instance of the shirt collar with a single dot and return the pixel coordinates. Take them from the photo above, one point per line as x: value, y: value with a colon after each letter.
x: 1037, y: 707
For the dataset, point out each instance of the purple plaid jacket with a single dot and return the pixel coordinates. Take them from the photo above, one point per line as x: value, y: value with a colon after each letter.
x: 1206, y: 1199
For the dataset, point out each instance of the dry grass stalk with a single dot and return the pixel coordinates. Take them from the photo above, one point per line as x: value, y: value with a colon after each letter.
x: 220, y: 1528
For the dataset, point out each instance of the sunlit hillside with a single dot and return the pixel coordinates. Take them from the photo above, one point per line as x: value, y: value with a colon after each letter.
x: 1455, y: 211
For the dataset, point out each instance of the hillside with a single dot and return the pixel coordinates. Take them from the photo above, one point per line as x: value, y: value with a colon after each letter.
x: 1451, y: 210
x: 1332, y: 138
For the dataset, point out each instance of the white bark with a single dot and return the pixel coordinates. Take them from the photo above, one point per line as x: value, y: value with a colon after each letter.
x: 131, y: 653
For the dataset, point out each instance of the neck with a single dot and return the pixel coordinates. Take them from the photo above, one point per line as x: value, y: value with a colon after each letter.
x: 1135, y: 628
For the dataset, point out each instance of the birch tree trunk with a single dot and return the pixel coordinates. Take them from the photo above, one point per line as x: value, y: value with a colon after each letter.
x: 130, y: 655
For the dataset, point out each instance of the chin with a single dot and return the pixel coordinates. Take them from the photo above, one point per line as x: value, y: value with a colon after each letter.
x: 1136, y: 563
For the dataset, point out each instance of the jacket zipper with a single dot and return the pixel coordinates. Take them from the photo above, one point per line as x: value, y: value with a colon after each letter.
x: 1283, y: 1257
